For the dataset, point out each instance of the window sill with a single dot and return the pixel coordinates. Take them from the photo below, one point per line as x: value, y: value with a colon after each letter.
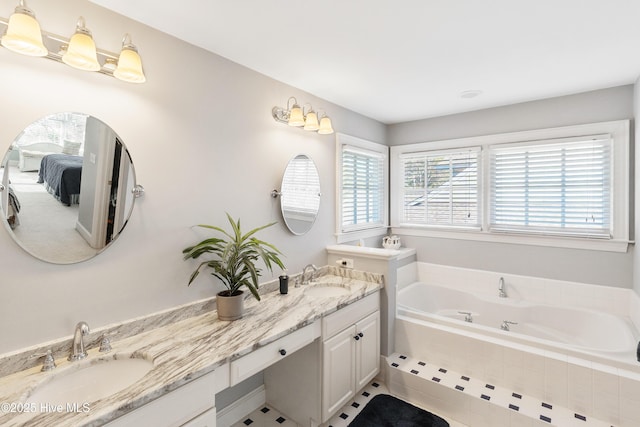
x: 557, y: 242
x: 352, y: 236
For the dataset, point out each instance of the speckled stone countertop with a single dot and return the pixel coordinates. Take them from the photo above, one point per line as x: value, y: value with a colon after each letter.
x: 184, y: 350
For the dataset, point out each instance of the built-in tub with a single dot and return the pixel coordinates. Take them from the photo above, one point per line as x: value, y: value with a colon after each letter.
x: 573, y: 347
x: 563, y: 328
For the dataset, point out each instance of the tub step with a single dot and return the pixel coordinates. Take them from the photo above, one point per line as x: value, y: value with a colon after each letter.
x: 473, y: 401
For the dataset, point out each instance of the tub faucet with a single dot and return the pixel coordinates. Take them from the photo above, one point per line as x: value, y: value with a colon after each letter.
x: 502, y: 293
x: 304, y: 273
x: 77, y: 348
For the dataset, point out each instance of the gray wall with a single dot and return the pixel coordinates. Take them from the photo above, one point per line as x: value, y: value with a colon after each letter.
x: 636, y: 257
x: 203, y: 142
x: 603, y: 268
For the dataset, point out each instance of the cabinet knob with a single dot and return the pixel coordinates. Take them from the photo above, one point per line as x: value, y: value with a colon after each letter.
x: 360, y: 334
x: 357, y: 338
x: 283, y: 352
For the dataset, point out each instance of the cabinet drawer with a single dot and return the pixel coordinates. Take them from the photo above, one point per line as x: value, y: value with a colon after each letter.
x: 347, y: 316
x: 206, y: 419
x: 261, y: 358
x: 174, y: 408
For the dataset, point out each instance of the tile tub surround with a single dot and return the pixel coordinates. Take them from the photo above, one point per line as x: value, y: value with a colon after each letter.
x: 185, y: 349
x: 477, y: 402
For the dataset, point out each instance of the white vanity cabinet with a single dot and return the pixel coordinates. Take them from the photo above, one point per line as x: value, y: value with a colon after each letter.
x: 312, y: 384
x: 192, y: 405
x: 350, y: 352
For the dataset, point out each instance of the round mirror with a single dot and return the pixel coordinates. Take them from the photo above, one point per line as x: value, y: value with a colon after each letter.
x: 67, y: 188
x: 300, y: 194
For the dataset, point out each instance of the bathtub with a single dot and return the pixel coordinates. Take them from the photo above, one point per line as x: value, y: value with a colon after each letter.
x: 571, y: 345
x: 565, y: 329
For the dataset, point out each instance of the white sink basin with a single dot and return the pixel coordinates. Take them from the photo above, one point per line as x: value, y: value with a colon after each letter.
x: 90, y: 382
x: 322, y: 290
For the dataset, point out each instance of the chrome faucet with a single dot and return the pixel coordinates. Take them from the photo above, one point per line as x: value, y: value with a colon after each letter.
x: 77, y: 349
x: 304, y: 273
x: 502, y: 293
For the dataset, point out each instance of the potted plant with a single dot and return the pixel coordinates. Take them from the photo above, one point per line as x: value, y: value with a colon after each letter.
x: 234, y: 262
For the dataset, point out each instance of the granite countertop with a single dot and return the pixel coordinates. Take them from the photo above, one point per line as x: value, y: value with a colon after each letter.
x: 184, y: 350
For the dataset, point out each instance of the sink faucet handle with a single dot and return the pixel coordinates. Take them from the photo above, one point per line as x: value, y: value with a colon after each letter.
x: 105, y: 342
x: 49, y: 363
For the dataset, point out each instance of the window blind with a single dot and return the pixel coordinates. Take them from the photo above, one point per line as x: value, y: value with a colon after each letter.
x: 554, y: 188
x: 362, y: 192
x: 441, y: 188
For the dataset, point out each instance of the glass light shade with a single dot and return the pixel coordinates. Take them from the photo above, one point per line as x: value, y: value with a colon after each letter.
x: 296, y: 118
x: 23, y: 34
x: 325, y: 126
x: 129, y: 67
x: 311, y: 121
x: 81, y: 53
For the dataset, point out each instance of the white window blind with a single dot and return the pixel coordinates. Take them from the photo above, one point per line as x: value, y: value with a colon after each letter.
x: 362, y: 188
x: 559, y: 188
x: 440, y: 188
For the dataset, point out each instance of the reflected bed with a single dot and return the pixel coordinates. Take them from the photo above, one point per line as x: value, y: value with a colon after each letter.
x: 60, y: 174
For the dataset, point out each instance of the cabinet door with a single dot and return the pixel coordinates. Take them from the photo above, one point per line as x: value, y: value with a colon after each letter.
x: 338, y: 373
x: 367, y: 349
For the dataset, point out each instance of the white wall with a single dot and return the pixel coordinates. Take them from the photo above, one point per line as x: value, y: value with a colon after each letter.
x: 602, y: 268
x: 203, y: 142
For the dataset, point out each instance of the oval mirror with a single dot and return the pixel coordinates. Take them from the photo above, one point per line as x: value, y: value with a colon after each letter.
x: 67, y: 182
x: 300, y: 194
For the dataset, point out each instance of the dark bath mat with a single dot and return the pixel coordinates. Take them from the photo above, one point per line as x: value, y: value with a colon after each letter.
x: 387, y: 411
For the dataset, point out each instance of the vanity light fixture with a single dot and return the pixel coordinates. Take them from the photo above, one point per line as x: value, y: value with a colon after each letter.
x: 293, y: 115
x: 23, y: 35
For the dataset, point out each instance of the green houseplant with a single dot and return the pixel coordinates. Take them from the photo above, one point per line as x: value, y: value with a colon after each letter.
x: 233, y: 261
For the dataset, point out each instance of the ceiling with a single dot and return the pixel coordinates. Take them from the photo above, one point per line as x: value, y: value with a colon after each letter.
x: 403, y: 60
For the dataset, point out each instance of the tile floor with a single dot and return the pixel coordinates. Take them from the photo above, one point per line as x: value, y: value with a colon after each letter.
x: 270, y: 417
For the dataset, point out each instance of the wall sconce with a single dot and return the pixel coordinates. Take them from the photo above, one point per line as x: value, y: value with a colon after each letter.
x: 23, y: 35
x: 294, y: 115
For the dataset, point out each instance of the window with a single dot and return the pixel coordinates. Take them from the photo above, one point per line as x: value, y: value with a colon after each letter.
x: 56, y: 128
x: 563, y: 187
x: 554, y: 188
x: 441, y: 188
x: 362, y: 186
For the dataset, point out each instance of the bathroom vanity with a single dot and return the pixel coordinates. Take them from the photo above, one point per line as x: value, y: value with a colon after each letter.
x: 197, y: 357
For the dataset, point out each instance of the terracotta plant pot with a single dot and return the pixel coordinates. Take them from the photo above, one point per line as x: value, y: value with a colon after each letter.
x: 230, y: 307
